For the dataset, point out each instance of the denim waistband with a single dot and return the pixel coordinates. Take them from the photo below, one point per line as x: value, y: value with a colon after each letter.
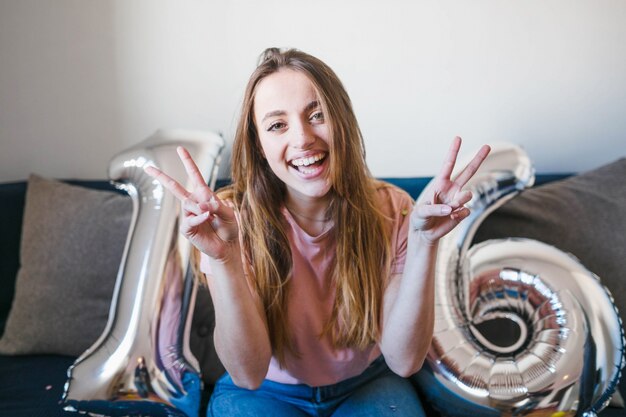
x: 303, y: 392
x: 377, y: 391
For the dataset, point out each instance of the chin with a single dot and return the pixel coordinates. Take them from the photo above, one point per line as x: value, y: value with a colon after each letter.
x: 320, y: 191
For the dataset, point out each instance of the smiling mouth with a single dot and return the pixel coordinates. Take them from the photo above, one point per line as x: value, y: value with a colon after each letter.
x: 307, y: 165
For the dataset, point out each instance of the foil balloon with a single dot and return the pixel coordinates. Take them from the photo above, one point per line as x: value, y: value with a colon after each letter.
x: 521, y: 328
x: 142, y: 364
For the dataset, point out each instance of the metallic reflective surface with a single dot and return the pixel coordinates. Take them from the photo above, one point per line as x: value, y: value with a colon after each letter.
x: 142, y: 362
x: 521, y: 328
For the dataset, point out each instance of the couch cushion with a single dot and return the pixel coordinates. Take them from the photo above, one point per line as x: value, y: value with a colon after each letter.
x: 31, y: 386
x: 71, y: 247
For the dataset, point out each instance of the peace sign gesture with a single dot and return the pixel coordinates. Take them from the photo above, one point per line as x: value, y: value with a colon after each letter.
x: 208, y: 223
x: 442, y: 206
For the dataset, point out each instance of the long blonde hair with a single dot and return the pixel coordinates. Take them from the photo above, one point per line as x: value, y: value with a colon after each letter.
x: 363, y: 245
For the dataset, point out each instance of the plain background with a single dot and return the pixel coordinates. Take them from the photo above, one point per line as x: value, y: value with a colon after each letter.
x: 81, y: 80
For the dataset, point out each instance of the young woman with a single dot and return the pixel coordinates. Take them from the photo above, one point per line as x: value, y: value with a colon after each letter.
x: 321, y: 276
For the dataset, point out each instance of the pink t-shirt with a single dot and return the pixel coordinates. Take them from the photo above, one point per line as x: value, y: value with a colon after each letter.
x: 311, y: 296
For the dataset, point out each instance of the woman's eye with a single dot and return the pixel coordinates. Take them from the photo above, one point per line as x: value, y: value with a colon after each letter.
x: 276, y: 126
x: 317, y: 116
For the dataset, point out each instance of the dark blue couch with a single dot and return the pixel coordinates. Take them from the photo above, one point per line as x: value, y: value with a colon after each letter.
x: 31, y: 386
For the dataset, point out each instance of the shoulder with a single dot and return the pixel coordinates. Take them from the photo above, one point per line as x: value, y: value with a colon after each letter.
x: 394, y: 203
x: 392, y: 195
x: 396, y: 206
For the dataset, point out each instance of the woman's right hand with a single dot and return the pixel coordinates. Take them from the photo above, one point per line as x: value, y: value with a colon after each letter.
x: 207, y: 222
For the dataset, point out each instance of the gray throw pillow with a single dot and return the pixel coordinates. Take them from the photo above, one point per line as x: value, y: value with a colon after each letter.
x: 72, y: 243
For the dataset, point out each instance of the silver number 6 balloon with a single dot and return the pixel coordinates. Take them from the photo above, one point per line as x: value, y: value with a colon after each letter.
x: 141, y: 364
x: 565, y: 350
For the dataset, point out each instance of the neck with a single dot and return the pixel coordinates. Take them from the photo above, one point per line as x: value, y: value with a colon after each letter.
x: 309, y: 209
x: 311, y: 214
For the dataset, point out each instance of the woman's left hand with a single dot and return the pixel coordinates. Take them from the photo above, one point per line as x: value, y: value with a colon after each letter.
x: 442, y: 206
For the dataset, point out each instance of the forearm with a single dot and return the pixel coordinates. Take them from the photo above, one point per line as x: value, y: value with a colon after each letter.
x: 409, y: 319
x: 241, y: 335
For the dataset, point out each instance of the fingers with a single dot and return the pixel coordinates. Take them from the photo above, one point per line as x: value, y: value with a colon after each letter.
x: 471, y: 168
x: 168, y: 182
x: 191, y: 207
x: 208, y: 220
x: 195, y: 221
x: 214, y: 207
x: 433, y: 210
x: 201, y: 189
x: 454, y: 210
x: 423, y: 214
x: 460, y: 214
x: 437, y: 219
x: 221, y: 210
x: 192, y: 169
x: 468, y: 172
x: 460, y: 199
x: 448, y: 164
x: 196, y: 214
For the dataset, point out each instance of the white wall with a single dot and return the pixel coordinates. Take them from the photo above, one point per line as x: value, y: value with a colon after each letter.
x: 81, y: 80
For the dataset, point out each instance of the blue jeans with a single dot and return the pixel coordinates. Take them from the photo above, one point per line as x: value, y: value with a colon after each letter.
x: 377, y: 392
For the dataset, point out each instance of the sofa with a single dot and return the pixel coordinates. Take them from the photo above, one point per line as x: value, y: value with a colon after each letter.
x: 61, y: 243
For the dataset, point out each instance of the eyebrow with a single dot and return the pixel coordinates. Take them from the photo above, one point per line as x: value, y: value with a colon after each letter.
x: 311, y: 106
x: 275, y: 113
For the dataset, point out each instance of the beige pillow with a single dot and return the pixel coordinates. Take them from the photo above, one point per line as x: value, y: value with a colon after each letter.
x: 71, y: 247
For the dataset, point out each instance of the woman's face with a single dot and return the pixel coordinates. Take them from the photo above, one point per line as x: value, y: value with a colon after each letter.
x: 293, y: 133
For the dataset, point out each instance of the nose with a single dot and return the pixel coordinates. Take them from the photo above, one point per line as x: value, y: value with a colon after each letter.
x: 303, y: 136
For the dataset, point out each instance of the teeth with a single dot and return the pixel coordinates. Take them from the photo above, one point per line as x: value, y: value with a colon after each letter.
x: 308, y: 161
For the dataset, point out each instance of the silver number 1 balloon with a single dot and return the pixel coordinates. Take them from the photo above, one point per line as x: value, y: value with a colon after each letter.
x: 565, y: 346
x: 141, y: 364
